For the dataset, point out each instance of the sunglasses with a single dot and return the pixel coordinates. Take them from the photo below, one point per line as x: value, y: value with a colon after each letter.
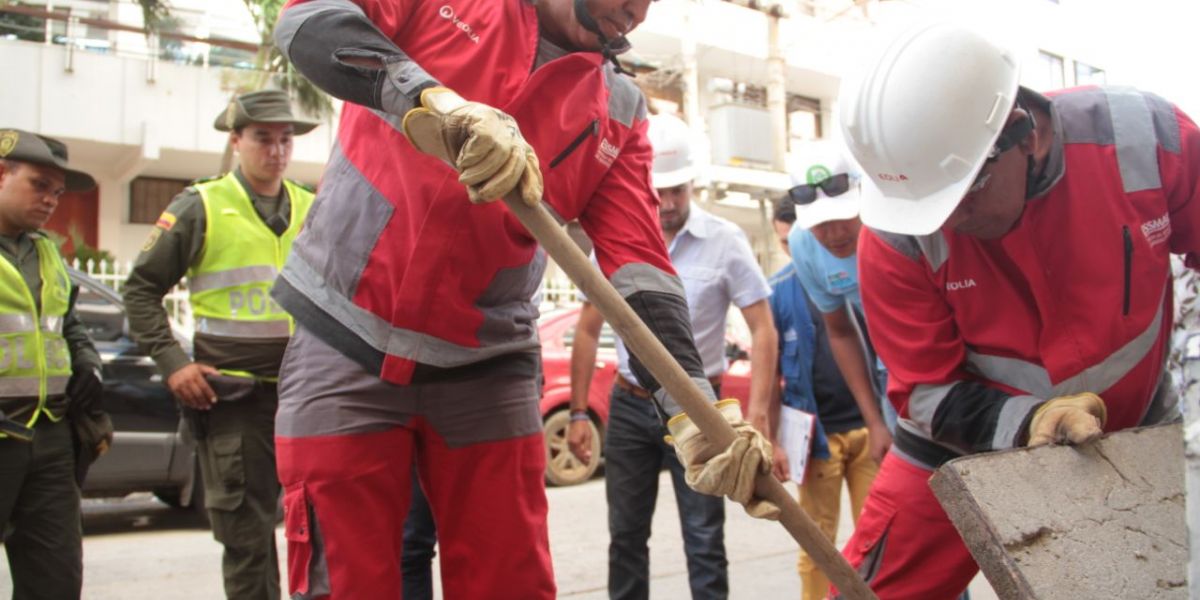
x: 806, y: 193
x: 1009, y: 138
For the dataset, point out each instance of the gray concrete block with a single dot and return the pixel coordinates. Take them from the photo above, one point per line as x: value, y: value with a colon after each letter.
x: 1105, y: 520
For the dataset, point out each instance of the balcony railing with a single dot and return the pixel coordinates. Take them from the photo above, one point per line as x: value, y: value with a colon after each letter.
x: 35, y: 24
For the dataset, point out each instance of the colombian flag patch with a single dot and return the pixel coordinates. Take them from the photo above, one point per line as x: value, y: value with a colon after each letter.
x: 166, y: 221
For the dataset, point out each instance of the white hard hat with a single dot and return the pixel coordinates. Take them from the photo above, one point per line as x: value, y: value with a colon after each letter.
x: 826, y: 164
x: 922, y: 121
x: 671, y: 140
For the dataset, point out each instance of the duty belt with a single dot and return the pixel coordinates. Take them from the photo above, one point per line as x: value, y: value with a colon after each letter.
x: 14, y: 429
x: 645, y: 394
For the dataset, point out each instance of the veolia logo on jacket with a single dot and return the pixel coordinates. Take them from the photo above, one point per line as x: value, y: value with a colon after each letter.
x: 962, y: 284
x: 447, y: 12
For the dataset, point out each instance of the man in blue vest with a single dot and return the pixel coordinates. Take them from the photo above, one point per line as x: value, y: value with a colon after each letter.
x: 49, y: 372
x: 813, y: 383
x: 230, y: 235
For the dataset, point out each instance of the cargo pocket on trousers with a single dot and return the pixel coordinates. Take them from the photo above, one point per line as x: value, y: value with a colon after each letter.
x: 229, y: 473
x: 872, y: 543
x: 297, y: 529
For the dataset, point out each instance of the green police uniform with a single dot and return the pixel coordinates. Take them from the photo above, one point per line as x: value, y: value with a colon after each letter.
x: 42, y: 343
x: 214, y: 232
x: 230, y: 243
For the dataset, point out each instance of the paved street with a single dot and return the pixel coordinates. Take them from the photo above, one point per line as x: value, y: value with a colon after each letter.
x: 137, y: 548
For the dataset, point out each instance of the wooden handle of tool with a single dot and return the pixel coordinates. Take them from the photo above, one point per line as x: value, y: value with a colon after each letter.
x: 679, y: 385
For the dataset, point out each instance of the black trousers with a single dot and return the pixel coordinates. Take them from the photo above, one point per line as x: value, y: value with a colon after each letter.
x: 40, y: 514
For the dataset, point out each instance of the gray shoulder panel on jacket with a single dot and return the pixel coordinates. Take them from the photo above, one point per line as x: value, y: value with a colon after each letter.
x: 1166, y: 123
x: 626, y: 103
x: 1085, y: 116
x: 904, y: 244
x: 1135, y: 122
x: 1135, y: 138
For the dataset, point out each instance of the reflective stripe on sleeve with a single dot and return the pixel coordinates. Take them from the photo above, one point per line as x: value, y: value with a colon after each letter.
x: 1035, y: 380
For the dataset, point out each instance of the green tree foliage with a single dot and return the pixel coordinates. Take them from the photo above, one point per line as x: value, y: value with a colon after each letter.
x: 154, y: 14
x: 23, y: 27
x: 271, y: 66
x: 272, y: 62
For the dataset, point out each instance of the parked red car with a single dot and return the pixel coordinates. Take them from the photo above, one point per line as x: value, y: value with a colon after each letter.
x: 557, y: 331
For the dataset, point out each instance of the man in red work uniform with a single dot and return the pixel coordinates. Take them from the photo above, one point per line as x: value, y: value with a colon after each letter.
x: 1015, y: 274
x: 416, y: 341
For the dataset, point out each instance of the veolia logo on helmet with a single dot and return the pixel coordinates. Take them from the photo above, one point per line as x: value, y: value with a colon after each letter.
x: 893, y: 177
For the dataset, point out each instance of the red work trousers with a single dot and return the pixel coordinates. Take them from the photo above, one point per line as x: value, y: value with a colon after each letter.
x: 346, y: 498
x: 904, y: 545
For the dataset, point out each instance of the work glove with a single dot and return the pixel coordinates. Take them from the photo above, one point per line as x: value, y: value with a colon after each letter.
x: 482, y: 143
x: 725, y: 472
x: 1068, y: 419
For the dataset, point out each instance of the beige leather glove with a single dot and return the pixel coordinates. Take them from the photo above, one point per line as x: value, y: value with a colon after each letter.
x: 725, y: 472
x: 482, y: 143
x: 1068, y: 419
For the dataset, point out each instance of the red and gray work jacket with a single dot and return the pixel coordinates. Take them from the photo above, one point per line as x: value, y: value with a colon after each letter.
x: 395, y: 267
x: 977, y: 334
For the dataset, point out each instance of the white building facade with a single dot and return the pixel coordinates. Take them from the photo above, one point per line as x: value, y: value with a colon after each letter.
x: 137, y: 112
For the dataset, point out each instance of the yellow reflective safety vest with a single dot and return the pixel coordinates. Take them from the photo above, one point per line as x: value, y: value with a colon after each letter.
x: 35, y: 362
x: 229, y: 286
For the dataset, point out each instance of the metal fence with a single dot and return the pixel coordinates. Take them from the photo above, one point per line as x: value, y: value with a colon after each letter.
x: 114, y: 273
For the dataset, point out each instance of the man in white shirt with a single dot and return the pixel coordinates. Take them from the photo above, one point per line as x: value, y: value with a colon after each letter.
x: 717, y: 267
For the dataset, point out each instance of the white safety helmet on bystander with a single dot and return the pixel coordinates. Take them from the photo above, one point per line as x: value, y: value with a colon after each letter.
x: 671, y: 140
x: 922, y: 121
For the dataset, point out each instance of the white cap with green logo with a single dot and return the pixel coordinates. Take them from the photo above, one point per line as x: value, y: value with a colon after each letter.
x: 826, y: 188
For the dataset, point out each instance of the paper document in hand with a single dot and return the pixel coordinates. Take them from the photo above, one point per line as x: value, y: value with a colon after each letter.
x: 795, y: 433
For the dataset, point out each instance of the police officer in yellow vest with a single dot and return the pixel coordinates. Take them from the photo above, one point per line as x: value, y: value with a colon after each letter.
x: 230, y: 235
x: 48, y: 367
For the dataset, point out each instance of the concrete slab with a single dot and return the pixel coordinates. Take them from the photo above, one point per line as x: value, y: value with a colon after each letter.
x: 1105, y: 520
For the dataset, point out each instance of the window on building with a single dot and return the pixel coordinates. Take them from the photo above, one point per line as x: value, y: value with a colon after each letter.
x: 1047, y: 73
x: 1086, y: 74
x: 149, y: 197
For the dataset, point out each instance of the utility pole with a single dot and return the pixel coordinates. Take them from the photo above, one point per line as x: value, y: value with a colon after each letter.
x: 776, y: 92
x: 776, y: 78
x: 777, y: 109
x: 690, y: 74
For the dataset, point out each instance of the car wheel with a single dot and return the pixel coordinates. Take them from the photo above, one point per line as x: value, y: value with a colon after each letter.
x: 169, y: 496
x: 562, y: 468
x: 197, y: 496
x: 173, y: 497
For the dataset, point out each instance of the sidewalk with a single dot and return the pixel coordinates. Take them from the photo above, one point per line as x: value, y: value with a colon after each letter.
x: 137, y: 549
x: 762, y: 556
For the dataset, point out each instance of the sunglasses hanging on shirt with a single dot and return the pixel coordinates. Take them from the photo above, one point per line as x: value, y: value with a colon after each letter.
x: 806, y: 193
